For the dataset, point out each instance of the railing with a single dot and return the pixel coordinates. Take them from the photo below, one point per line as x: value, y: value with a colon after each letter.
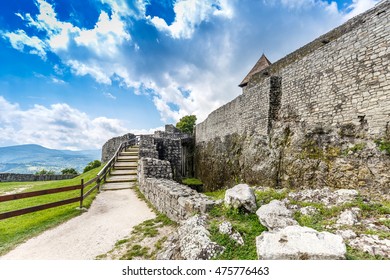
x: 100, y: 177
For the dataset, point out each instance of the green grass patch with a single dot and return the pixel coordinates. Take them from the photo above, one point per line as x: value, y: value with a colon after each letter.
x: 192, y: 181
x: 383, y: 145
x: 220, y: 194
x: 246, y: 224
x: 265, y: 197
x: 136, y: 251
x: 16, y: 230
x: 354, y: 254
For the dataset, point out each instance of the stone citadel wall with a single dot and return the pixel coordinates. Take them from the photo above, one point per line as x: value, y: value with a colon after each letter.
x: 314, y: 117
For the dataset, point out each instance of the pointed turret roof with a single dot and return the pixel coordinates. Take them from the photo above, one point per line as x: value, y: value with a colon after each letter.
x: 261, y: 64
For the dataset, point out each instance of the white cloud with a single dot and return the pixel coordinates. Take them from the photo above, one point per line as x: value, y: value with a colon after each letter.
x: 57, y: 126
x: 359, y: 6
x: 19, y: 40
x: 106, y: 37
x: 189, y: 14
x: 109, y: 95
x: 93, y: 69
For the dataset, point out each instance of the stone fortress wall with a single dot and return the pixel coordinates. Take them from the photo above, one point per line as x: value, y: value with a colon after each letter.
x: 159, y: 155
x: 305, y: 111
x: 15, y: 177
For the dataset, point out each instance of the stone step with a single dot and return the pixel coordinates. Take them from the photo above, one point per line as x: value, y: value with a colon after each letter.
x: 123, y: 172
x: 121, y: 178
x: 125, y: 164
x: 128, y: 158
x: 135, y: 154
x: 117, y: 186
x: 126, y: 168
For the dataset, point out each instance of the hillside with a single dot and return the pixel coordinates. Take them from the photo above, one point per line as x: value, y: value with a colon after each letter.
x: 31, y: 158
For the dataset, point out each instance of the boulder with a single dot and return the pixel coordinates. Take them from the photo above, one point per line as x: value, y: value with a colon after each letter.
x: 190, y: 242
x: 300, y: 243
x: 194, y: 241
x: 275, y: 215
x: 241, y: 196
x: 348, y: 217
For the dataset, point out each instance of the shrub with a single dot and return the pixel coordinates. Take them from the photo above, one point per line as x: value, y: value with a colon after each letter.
x: 92, y: 165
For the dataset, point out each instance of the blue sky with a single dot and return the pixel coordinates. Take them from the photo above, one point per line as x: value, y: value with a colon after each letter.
x: 75, y: 73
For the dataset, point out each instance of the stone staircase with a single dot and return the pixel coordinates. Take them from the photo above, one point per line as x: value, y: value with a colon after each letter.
x: 124, y: 173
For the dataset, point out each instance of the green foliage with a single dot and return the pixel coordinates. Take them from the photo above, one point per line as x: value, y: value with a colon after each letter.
x: 187, y: 124
x: 45, y: 172
x: 92, y: 165
x: 355, y: 148
x: 265, y: 197
x: 220, y: 194
x: 247, y: 225
x: 192, y: 181
x: 383, y: 145
x: 69, y: 171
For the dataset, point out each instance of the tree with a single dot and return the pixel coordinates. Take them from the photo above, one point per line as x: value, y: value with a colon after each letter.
x: 187, y: 124
x: 45, y: 172
x: 69, y: 171
x: 92, y: 165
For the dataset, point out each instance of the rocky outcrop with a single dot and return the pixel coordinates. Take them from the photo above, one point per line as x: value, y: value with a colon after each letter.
x: 275, y: 215
x: 241, y: 196
x: 191, y: 242
x: 300, y: 243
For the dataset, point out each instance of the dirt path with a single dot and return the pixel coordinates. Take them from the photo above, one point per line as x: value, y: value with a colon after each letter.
x: 110, y: 218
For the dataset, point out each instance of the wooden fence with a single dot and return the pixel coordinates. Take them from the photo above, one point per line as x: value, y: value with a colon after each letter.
x: 100, y: 177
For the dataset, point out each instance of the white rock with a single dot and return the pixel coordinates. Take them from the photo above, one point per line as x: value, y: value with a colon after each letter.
x: 194, y: 241
x: 346, y: 234
x: 238, y: 238
x: 299, y: 243
x: 225, y: 228
x: 275, y: 215
x: 241, y: 196
x: 349, y: 217
x: 372, y: 245
x: 345, y: 195
x: 308, y: 210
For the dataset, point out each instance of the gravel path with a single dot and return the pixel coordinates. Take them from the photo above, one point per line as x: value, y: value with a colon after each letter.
x: 110, y: 218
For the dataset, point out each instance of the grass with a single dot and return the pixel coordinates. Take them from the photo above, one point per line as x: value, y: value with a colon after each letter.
x: 249, y: 226
x: 192, y: 181
x: 246, y: 224
x: 16, y: 230
x: 383, y: 145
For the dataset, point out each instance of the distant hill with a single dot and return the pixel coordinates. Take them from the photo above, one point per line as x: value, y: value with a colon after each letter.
x: 31, y: 158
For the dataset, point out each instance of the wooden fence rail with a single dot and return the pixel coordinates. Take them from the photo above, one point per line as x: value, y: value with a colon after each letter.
x: 100, y: 177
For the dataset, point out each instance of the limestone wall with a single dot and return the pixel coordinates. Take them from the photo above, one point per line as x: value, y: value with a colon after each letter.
x: 175, y: 200
x: 110, y: 147
x: 313, y: 118
x: 14, y: 177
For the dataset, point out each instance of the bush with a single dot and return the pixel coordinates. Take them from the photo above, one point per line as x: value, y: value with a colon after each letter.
x: 92, y: 165
x: 69, y: 171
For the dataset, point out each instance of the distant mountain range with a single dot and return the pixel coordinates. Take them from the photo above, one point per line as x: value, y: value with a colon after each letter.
x: 32, y: 158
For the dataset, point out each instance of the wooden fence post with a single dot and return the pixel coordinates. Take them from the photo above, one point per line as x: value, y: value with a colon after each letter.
x: 81, y: 194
